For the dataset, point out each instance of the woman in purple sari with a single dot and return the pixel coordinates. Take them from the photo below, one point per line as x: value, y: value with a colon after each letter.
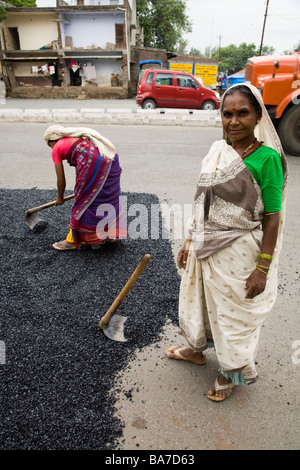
x: 97, y: 210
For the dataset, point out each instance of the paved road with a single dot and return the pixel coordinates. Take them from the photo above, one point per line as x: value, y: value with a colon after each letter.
x: 163, y: 402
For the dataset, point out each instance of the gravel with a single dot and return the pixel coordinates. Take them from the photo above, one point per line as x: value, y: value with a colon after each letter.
x: 56, y: 383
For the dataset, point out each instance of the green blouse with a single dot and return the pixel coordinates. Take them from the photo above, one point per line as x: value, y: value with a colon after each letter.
x: 266, y: 167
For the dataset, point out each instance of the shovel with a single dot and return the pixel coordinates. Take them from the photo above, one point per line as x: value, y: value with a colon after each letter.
x: 113, y: 326
x: 33, y: 219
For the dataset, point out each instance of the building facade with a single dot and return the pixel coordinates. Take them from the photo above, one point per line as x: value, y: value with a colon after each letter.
x: 70, y: 49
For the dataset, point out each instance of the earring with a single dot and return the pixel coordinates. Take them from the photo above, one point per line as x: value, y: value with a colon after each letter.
x: 258, y: 121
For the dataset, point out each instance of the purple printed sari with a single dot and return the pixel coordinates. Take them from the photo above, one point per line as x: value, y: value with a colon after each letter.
x: 97, y: 210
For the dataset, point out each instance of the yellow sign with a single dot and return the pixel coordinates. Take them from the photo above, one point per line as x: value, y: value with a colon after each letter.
x: 185, y: 67
x: 208, y: 73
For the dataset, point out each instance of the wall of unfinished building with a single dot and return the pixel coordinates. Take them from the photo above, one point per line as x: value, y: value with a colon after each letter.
x: 90, y: 30
x: 34, y: 31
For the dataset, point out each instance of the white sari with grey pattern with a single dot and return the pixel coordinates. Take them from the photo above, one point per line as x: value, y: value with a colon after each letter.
x: 226, y: 232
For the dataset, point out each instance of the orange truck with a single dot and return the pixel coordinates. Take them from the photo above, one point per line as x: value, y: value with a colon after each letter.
x: 278, y: 79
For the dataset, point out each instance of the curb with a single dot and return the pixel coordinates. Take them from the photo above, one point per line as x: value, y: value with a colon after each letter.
x: 166, y: 117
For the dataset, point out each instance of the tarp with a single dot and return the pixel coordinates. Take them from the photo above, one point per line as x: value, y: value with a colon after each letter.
x: 238, y: 77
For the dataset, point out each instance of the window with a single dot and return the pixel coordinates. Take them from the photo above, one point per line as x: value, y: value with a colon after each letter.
x: 150, y: 77
x: 120, y: 36
x: 186, y: 82
x: 11, y: 39
x: 164, y: 79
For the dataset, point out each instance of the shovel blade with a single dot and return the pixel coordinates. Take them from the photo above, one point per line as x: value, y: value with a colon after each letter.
x: 115, y: 328
x: 35, y: 222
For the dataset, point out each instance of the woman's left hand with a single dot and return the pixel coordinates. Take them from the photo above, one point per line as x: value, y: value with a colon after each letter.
x: 255, y: 284
x: 257, y: 280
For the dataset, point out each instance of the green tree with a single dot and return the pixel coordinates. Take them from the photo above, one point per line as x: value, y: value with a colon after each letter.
x: 22, y: 3
x: 195, y: 51
x: 295, y: 47
x: 234, y: 58
x: 15, y: 3
x: 3, y: 14
x: 164, y: 22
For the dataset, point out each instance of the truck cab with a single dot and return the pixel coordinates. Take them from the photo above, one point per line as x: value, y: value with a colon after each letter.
x: 278, y: 79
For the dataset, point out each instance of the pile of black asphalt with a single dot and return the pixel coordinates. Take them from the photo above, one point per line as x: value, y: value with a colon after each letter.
x: 59, y: 367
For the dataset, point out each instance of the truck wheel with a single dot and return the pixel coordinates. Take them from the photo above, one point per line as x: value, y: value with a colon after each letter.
x: 289, y: 130
x: 149, y: 104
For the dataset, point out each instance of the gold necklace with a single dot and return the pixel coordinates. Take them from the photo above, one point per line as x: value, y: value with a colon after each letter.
x: 248, y: 148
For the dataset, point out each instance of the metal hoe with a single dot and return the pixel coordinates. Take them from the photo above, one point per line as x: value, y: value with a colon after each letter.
x: 32, y: 218
x: 113, y: 325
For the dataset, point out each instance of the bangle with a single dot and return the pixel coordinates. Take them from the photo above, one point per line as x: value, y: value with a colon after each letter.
x: 268, y: 257
x: 188, y: 241
x: 258, y: 266
x: 271, y: 213
x: 263, y: 267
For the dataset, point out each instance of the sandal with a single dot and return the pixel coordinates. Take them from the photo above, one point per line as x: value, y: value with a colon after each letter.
x: 63, y: 246
x: 176, y: 350
x: 218, y: 388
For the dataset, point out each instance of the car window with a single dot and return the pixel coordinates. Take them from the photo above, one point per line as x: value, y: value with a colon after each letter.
x: 187, y: 82
x: 164, y: 79
x: 149, y: 78
x: 141, y: 75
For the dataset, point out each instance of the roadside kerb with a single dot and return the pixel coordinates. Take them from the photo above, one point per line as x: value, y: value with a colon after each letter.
x: 11, y: 115
x: 166, y: 117
x: 37, y: 115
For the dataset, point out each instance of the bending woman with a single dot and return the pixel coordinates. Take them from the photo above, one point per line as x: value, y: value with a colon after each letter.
x: 97, y: 212
x: 230, y: 258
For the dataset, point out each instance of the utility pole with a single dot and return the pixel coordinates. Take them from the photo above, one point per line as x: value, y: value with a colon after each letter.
x: 263, y: 31
x: 220, y: 37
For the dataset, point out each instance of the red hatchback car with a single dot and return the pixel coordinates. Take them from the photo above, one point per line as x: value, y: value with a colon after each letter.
x: 174, y: 89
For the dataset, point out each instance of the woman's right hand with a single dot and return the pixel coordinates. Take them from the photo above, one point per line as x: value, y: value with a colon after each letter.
x: 183, y: 255
x: 59, y: 201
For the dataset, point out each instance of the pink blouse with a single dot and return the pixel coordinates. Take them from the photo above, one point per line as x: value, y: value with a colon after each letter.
x: 60, y: 149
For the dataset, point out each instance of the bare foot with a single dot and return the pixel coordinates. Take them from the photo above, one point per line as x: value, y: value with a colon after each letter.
x: 185, y: 354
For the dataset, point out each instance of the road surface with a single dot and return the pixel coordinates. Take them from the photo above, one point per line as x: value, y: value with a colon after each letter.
x: 162, y: 402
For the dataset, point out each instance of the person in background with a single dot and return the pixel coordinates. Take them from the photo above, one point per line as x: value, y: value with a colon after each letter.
x: 97, y: 210
x: 230, y: 258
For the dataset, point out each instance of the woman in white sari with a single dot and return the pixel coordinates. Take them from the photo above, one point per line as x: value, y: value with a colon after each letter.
x: 230, y: 258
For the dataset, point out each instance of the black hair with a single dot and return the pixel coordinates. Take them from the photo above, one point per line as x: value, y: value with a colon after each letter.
x: 247, y: 92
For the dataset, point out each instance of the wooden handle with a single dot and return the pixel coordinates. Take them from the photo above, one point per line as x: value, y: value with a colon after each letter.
x: 45, y: 206
x: 128, y: 286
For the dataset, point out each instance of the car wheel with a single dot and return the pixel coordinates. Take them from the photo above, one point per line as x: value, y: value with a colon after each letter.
x: 149, y: 104
x: 208, y: 105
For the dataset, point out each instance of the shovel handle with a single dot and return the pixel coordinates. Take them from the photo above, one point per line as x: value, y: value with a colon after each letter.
x: 45, y: 206
x: 128, y: 286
